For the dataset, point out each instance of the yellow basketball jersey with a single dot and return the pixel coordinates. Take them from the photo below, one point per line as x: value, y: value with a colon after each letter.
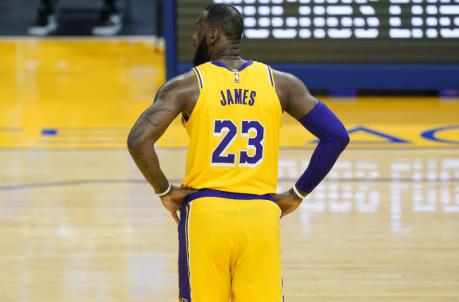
x: 234, y: 130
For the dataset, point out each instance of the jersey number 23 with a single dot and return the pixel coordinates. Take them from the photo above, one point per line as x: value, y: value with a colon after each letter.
x: 255, y: 133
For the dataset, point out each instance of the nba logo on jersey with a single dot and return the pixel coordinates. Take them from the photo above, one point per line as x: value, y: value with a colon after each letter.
x: 184, y: 300
x: 236, y: 78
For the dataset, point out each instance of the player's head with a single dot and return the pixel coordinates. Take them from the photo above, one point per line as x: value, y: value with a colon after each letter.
x: 217, y: 26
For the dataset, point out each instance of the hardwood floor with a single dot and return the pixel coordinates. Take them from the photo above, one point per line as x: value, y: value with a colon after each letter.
x: 79, y: 223
x: 83, y: 225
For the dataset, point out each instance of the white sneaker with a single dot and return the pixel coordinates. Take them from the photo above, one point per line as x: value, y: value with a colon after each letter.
x: 110, y: 24
x: 44, y: 25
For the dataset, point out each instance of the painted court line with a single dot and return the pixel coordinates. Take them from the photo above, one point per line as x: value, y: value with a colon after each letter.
x: 79, y: 182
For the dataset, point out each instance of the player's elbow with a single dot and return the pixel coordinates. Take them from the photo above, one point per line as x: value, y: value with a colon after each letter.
x: 135, y: 140
x: 341, y: 139
x: 131, y: 142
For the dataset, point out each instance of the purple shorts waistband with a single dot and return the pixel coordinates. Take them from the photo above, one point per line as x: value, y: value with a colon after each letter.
x: 228, y: 195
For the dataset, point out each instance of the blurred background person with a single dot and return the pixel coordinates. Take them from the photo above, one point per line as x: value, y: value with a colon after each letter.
x: 109, y: 22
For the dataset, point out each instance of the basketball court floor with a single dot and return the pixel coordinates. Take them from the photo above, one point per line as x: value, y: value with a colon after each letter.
x: 79, y: 223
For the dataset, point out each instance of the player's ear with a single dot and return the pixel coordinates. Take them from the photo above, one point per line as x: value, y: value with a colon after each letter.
x: 212, y: 36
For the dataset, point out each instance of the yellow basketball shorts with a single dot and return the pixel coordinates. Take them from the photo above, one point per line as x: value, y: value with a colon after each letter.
x: 229, y: 247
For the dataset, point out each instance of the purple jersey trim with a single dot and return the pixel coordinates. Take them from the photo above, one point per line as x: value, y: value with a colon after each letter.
x: 221, y: 64
x: 183, y: 259
x: 199, y: 76
x: 227, y: 195
x: 270, y: 76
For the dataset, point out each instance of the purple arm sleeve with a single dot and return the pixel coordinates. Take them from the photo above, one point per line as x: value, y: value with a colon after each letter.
x: 333, y: 139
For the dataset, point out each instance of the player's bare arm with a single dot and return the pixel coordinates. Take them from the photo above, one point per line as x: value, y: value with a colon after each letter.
x: 176, y: 96
x: 294, y: 96
x: 298, y: 102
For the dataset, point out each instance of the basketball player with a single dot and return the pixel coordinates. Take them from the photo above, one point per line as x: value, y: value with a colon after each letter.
x: 229, y: 242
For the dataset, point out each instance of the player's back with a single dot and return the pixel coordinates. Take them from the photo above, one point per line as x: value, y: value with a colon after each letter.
x: 234, y: 130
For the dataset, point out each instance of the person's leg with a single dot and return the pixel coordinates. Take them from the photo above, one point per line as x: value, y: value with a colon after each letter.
x: 48, y: 6
x: 110, y: 21
x: 257, y: 275
x: 110, y: 5
x: 206, y: 232
x: 45, y: 23
x: 159, y: 19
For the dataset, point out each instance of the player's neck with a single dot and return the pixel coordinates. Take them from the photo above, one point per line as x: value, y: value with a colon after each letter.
x: 230, y: 55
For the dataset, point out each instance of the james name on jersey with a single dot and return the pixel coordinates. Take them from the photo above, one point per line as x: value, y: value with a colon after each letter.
x: 238, y: 96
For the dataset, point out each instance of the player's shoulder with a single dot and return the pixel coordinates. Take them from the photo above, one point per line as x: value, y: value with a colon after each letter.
x: 202, y: 67
x: 261, y: 65
x: 281, y: 78
x: 181, y: 81
x: 288, y: 86
x: 284, y: 78
x: 181, y: 88
x: 287, y: 82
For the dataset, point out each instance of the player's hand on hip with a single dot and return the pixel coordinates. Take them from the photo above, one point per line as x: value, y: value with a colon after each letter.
x: 173, y: 200
x: 288, y: 201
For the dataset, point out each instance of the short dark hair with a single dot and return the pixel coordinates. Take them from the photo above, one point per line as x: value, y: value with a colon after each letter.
x: 227, y: 18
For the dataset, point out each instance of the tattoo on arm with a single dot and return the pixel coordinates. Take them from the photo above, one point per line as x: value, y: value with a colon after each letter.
x: 150, y: 122
x: 147, y: 117
x: 167, y: 88
x: 147, y: 130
